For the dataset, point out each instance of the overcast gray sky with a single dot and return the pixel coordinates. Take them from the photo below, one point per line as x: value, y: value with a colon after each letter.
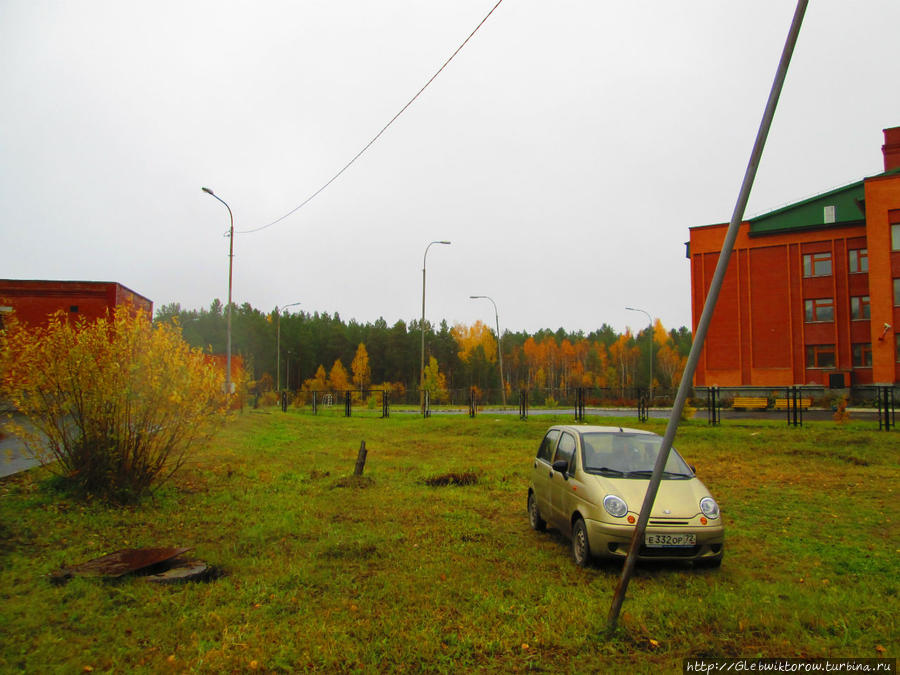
x: 565, y: 151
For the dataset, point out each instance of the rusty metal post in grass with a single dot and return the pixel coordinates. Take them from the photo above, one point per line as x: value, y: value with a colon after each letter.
x: 684, y: 387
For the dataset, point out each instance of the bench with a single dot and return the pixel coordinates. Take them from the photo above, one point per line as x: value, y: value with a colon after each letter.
x: 784, y: 403
x: 750, y: 402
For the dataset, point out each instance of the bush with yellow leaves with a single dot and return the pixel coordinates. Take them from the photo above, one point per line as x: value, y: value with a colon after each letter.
x: 118, y: 403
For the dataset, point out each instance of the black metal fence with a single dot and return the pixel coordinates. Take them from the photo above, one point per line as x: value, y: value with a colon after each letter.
x: 792, y: 403
x: 462, y: 398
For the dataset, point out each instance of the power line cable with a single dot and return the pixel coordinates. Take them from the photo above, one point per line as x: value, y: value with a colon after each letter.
x: 378, y: 135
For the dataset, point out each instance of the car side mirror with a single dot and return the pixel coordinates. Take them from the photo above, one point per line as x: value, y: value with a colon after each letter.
x: 561, y: 466
x: 693, y: 468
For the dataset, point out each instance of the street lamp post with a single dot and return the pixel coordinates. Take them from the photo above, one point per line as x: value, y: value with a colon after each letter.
x: 230, y: 236
x: 278, y: 345
x: 499, y: 347
x: 650, y: 319
x: 422, y: 367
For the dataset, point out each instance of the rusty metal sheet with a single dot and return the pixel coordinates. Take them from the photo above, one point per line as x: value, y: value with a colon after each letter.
x: 122, y: 562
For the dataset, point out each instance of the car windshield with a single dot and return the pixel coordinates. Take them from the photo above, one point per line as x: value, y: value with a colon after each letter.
x: 617, y: 454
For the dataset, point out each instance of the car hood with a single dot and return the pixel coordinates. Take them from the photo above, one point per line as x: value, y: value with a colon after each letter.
x: 680, y: 497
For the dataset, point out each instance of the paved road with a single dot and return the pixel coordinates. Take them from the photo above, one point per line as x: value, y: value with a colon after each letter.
x: 14, y: 457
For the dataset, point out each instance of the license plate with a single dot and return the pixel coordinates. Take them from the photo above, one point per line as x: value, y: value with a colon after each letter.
x: 664, y: 540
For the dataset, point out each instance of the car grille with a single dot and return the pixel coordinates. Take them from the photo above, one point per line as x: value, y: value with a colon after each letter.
x: 669, y: 552
x: 668, y: 522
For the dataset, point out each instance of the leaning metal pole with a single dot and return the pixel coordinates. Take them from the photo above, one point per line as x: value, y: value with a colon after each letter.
x: 706, y: 316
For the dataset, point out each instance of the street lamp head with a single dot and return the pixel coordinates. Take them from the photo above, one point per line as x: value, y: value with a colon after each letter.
x: 444, y: 242
x: 208, y: 191
x: 475, y: 297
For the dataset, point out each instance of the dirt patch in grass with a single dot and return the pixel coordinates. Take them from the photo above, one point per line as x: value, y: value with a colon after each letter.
x: 349, y: 550
x: 359, y: 482
x: 830, y: 454
x: 446, y: 479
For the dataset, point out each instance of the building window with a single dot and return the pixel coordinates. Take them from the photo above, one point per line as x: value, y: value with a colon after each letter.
x: 820, y: 309
x: 73, y: 309
x: 896, y: 292
x: 895, y: 237
x: 817, y: 264
x: 820, y: 356
x: 862, y: 355
x: 859, y: 260
x: 897, y: 350
x: 859, y: 307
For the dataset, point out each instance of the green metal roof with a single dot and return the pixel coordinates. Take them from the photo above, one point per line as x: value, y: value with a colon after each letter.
x: 848, y: 203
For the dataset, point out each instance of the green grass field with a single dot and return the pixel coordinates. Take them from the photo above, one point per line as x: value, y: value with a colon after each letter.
x: 392, y: 574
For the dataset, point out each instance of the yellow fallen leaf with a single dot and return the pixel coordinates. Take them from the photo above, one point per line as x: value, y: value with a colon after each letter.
x: 525, y: 646
x: 654, y: 643
x: 254, y: 664
x: 879, y: 649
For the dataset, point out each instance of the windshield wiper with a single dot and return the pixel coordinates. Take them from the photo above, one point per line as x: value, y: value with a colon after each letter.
x: 664, y: 473
x: 607, y: 470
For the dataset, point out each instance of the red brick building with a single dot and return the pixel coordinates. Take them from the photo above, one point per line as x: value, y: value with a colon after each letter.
x: 33, y: 301
x: 812, y: 290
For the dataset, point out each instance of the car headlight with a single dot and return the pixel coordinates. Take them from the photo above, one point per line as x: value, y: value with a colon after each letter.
x: 709, y: 508
x: 615, y: 506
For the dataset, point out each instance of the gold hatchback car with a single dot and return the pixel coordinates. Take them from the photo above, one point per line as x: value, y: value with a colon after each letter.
x: 589, y: 482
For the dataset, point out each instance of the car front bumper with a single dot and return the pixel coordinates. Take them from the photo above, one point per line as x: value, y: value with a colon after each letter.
x: 613, y: 541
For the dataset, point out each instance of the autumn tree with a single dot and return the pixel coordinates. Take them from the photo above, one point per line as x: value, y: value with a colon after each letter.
x: 477, y: 350
x: 623, y: 356
x: 671, y: 364
x: 118, y: 403
x: 338, y: 379
x: 362, y: 374
x: 660, y: 336
x: 435, y: 382
x: 318, y: 382
x: 469, y: 338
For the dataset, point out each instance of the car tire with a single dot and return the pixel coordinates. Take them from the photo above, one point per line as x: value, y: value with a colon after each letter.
x: 534, y: 514
x: 581, y: 547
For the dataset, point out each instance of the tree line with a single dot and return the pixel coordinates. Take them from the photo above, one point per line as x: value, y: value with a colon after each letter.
x: 322, y: 351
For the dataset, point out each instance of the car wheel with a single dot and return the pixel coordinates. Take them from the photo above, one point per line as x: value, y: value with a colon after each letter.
x: 581, y: 548
x: 534, y: 515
